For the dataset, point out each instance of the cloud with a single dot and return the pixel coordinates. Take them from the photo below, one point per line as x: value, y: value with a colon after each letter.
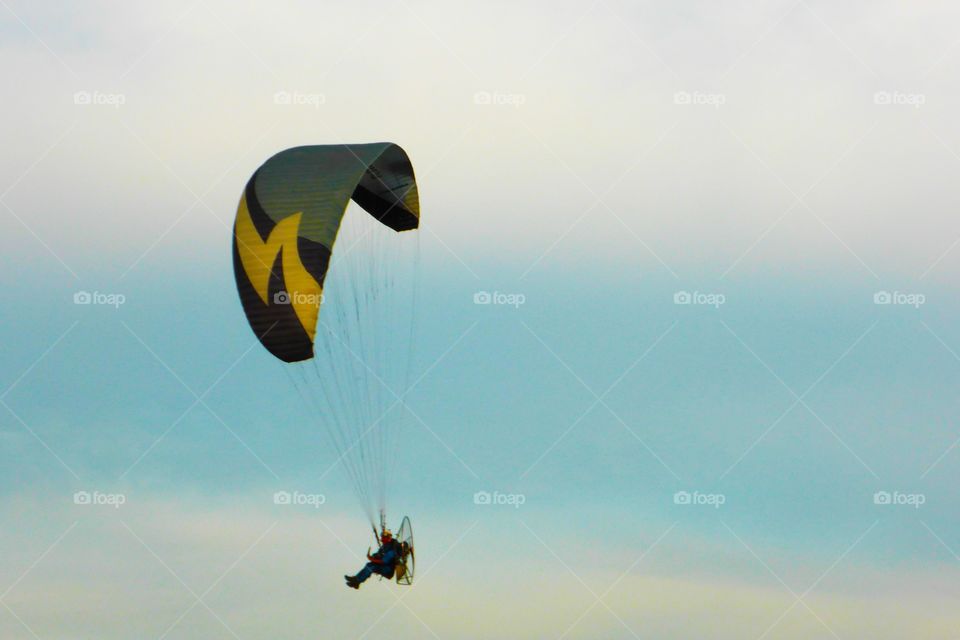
x: 270, y: 572
x: 582, y: 106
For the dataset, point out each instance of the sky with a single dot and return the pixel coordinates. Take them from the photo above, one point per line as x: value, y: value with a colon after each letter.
x: 721, y: 403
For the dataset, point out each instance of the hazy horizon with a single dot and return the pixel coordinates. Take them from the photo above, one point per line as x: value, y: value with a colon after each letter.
x: 726, y: 234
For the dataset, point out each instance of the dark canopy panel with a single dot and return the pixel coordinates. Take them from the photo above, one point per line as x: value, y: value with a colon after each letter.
x: 287, y: 223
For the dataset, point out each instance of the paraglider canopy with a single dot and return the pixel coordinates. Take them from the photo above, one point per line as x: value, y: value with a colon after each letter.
x: 287, y: 222
x: 351, y: 363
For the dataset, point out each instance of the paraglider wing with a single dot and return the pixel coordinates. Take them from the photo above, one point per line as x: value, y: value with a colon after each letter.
x: 351, y: 363
x: 287, y: 222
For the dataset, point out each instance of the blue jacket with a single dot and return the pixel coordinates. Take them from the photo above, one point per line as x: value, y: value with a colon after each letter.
x: 388, y: 554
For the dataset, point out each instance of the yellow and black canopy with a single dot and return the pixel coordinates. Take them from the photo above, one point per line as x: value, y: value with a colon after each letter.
x: 287, y: 223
